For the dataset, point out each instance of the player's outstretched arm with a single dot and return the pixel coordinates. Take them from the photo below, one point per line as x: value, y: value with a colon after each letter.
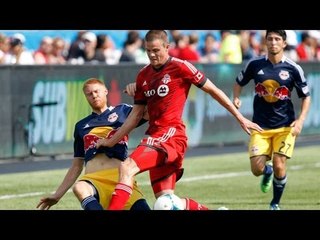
x: 70, y: 178
x: 223, y: 99
x: 236, y: 95
x: 46, y: 202
x: 135, y: 116
x: 297, y: 125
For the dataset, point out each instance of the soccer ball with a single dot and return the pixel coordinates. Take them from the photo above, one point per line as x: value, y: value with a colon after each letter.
x: 168, y: 202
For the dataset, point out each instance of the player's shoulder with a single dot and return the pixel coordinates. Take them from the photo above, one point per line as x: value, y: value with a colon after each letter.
x: 294, y: 65
x: 175, y: 60
x: 183, y: 66
x: 180, y: 63
x: 84, y: 120
x: 122, y: 106
x: 255, y: 62
x: 144, y: 68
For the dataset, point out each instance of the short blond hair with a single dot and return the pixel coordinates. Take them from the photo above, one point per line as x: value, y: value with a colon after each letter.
x: 93, y: 81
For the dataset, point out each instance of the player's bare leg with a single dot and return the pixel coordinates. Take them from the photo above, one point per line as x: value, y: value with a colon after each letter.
x: 127, y: 170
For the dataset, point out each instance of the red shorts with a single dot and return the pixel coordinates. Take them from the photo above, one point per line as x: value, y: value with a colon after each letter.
x: 163, y: 157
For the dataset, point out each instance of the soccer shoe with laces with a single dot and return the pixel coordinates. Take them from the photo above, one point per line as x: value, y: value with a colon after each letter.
x: 266, y: 182
x: 274, y: 207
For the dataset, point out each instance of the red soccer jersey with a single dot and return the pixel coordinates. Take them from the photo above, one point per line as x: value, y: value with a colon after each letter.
x: 165, y: 92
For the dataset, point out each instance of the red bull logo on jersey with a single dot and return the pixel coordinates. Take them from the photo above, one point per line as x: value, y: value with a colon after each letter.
x: 284, y: 75
x: 271, y: 91
x: 90, y: 141
x: 282, y: 93
x: 113, y: 117
x: 124, y: 140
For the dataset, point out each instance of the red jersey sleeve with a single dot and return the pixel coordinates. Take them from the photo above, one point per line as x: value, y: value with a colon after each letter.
x: 191, y: 73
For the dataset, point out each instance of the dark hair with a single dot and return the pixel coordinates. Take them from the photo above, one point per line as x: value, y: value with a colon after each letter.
x: 282, y: 33
x: 304, y: 36
x: 15, y: 42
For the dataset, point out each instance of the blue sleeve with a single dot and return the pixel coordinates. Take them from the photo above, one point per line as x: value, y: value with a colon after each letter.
x: 300, y: 83
x: 245, y: 75
x: 78, y: 144
x: 127, y: 110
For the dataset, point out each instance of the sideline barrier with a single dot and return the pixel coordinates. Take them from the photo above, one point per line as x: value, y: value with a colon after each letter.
x: 52, y: 125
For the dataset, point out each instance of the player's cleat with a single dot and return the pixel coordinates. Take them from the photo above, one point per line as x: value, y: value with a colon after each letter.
x: 266, y: 181
x: 274, y: 207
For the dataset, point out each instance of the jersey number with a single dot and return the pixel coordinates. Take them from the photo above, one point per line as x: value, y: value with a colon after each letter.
x: 284, y: 147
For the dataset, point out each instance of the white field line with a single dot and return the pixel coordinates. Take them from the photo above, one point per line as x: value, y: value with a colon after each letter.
x: 25, y: 195
x: 206, y: 177
x: 189, y: 179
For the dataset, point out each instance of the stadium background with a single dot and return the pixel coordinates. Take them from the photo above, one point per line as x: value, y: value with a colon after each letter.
x: 49, y: 128
x: 208, y: 125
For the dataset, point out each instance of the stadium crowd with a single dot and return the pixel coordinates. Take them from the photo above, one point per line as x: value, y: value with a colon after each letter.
x: 211, y: 46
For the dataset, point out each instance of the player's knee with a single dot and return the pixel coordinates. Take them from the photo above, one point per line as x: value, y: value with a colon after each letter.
x: 78, y: 187
x: 128, y: 168
x: 257, y: 171
x: 257, y: 166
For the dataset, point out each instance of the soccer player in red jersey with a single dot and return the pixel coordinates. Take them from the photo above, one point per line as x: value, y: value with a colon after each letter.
x: 163, y: 86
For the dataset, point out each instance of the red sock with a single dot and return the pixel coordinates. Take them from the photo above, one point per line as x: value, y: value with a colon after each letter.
x: 120, y: 196
x: 193, y: 205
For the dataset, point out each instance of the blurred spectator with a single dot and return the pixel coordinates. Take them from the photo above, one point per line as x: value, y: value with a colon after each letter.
x: 101, y: 46
x: 304, y: 49
x: 131, y: 45
x: 17, y: 54
x: 43, y: 53
x: 88, y: 53
x: 91, y: 55
x: 4, y: 47
x: 141, y: 55
x: 315, y: 43
x: 75, y: 51
x: 58, y: 55
x: 292, y: 42
x: 173, y: 36
x: 210, y: 51
x: 180, y: 41
x: 189, y: 52
x: 230, y: 50
x: 254, y: 41
x: 248, y: 52
x: 263, y: 46
x: 105, y: 45
x: 112, y: 53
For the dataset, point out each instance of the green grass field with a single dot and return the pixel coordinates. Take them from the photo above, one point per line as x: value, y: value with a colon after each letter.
x: 218, y: 180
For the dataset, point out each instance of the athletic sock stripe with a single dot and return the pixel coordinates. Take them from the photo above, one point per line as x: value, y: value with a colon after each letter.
x: 87, y: 200
x: 125, y: 188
